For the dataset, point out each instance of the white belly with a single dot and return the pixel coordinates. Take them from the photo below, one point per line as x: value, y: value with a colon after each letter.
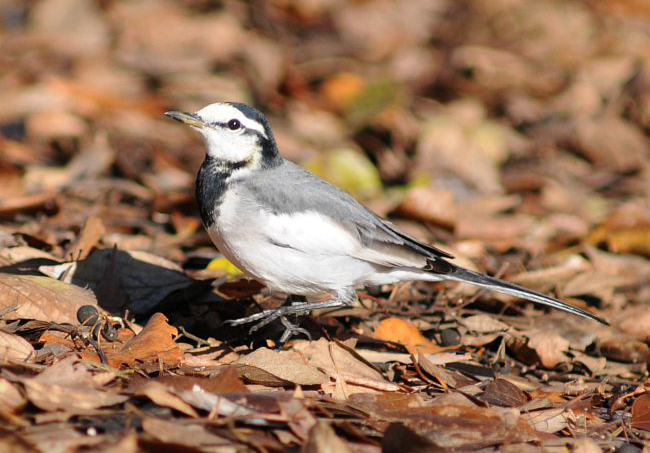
x: 304, y: 253
x: 288, y: 270
x: 241, y: 234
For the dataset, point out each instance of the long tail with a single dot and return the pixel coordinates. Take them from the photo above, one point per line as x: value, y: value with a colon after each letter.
x: 465, y: 275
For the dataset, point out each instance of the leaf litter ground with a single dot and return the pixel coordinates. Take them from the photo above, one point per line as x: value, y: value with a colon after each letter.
x: 512, y: 134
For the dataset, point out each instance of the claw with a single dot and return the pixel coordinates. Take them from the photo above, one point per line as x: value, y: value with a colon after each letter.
x: 296, y: 309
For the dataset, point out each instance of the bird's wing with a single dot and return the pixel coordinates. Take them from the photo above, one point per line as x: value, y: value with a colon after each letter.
x: 307, y: 213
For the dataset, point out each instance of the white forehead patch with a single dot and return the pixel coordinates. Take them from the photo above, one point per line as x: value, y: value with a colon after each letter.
x: 222, y: 113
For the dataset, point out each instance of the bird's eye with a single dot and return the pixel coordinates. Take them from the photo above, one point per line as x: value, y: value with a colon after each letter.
x: 233, y: 125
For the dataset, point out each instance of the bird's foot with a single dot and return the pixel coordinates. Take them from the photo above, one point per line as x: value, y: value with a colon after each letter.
x: 296, y: 309
x: 291, y: 330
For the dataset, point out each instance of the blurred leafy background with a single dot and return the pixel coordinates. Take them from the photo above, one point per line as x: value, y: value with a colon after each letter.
x: 516, y: 125
x: 512, y: 133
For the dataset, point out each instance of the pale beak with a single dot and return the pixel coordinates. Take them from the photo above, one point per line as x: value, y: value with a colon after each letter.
x: 191, y: 119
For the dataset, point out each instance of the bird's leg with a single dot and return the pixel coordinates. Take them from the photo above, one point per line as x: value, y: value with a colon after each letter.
x: 343, y: 298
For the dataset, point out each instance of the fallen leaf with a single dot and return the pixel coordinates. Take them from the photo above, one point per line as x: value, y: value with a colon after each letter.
x: 633, y: 321
x: 153, y: 344
x: 502, y: 392
x: 30, y: 203
x: 14, y: 348
x: 549, y: 346
x: 10, y: 397
x: 624, y: 349
x: 71, y: 385
x: 323, y: 439
x: 586, y: 445
x: 406, y: 333
x: 342, y: 88
x: 187, y: 435
x: 298, y: 417
x: 484, y: 324
x: 342, y: 364
x: 429, y: 205
x: 641, y: 412
x: 158, y: 393
x: 400, y: 439
x: 548, y: 420
x: 42, y: 298
x: 626, y: 230
x: 288, y: 366
x: 89, y: 236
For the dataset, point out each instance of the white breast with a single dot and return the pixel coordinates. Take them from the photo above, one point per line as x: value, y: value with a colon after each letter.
x: 305, y: 253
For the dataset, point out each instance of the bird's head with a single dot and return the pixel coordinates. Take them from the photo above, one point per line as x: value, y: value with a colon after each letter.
x: 235, y: 134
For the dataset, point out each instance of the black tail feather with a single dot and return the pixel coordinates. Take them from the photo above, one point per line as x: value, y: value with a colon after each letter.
x: 465, y: 275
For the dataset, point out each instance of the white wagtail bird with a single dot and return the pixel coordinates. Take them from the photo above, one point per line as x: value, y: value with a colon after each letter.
x: 300, y: 235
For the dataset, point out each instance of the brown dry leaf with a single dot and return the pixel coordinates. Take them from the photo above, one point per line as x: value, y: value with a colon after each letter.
x: 548, y: 420
x: 184, y: 434
x: 71, y: 398
x: 484, y: 323
x: 351, y: 373
x: 342, y: 88
x: 549, y: 346
x: 154, y: 343
x: 15, y: 255
x: 429, y: 205
x: 30, y: 203
x: 502, y: 392
x: 60, y: 24
x: 503, y: 229
x: 71, y: 385
x: 288, y: 366
x: 400, y: 439
x: 10, y: 397
x: 159, y: 394
x: 641, y: 412
x: 128, y: 443
x: 386, y: 405
x: 612, y: 142
x: 596, y: 365
x: 610, y: 272
x: 633, y: 321
x: 445, y: 146
x: 586, y: 445
x: 51, y: 124
x: 444, y: 376
x: 59, y: 438
x: 379, y: 28
x: 453, y: 426
x: 14, y: 348
x: 495, y: 68
x: 157, y: 36
x: 227, y: 381
x: 144, y: 278
x: 42, y: 298
x: 623, y: 348
x: 233, y: 404
x: 443, y: 358
x: 11, y: 179
x: 626, y: 230
x: 298, y: 416
x: 545, y: 280
x: 90, y: 235
x: 406, y: 333
x: 323, y: 439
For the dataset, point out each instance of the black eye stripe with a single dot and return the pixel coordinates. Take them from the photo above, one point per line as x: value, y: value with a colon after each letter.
x: 233, y: 124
